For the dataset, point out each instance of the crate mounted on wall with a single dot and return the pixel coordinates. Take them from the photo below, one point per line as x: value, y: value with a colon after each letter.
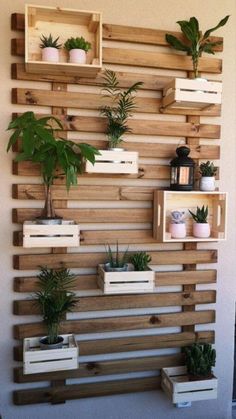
x: 120, y: 162
x: 62, y: 23
x: 66, y: 234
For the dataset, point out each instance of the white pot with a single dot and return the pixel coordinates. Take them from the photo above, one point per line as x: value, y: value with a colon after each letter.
x: 201, y: 230
x: 177, y: 231
x: 77, y: 56
x: 50, y: 54
x: 207, y: 183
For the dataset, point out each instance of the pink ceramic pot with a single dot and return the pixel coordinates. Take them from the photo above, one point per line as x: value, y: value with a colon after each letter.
x: 50, y: 54
x: 77, y: 56
x: 201, y: 230
x: 177, y: 231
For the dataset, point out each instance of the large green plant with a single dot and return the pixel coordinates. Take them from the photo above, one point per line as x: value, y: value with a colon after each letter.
x: 195, y: 42
x: 54, y: 299
x: 200, y: 359
x: 39, y: 145
x: 121, y: 108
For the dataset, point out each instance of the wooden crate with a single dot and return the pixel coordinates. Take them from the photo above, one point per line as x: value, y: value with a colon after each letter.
x: 175, y: 383
x: 120, y: 162
x: 65, y: 23
x: 128, y: 282
x: 66, y: 234
x: 38, y: 360
x: 188, y: 93
x: 166, y: 201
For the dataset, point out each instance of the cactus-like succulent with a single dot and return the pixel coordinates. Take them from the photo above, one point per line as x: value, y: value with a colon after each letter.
x: 49, y: 42
x: 116, y: 260
x: 207, y: 169
x: 140, y: 261
x: 201, y: 215
x: 77, y: 43
x: 200, y: 359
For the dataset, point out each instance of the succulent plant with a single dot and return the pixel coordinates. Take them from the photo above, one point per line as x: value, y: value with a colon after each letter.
x: 200, y: 359
x: 207, y: 169
x: 140, y: 261
x: 116, y: 260
x: 201, y: 215
x: 49, y: 42
x: 77, y: 43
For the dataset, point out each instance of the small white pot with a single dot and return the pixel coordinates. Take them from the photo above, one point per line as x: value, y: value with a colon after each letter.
x: 50, y: 54
x: 77, y: 56
x: 207, y: 183
x: 201, y: 230
x: 177, y: 231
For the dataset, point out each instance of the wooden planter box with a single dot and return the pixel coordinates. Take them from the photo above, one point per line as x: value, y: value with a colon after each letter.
x: 37, y: 360
x: 120, y: 162
x: 166, y: 201
x: 60, y: 235
x: 175, y: 383
x: 65, y: 23
x: 188, y: 93
x: 128, y: 282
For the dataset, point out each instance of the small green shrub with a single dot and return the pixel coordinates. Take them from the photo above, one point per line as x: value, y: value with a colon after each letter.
x: 77, y: 43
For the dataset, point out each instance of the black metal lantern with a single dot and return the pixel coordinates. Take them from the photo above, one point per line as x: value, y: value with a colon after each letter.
x: 182, y: 171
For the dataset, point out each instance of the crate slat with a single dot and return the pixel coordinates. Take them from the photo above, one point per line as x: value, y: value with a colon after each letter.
x: 119, y: 162
x: 66, y: 234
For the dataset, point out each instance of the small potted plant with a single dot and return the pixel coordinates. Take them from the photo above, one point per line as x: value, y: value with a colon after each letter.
x: 116, y: 262
x: 201, y: 227
x: 140, y: 261
x: 50, y: 48
x: 177, y: 226
x: 207, y: 181
x: 78, y: 48
x: 199, y: 361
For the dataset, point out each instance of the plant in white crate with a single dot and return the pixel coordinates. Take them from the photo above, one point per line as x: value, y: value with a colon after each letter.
x: 201, y: 227
x: 78, y: 48
x: 50, y: 48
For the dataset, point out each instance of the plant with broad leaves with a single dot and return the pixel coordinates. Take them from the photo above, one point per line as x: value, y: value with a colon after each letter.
x: 196, y: 43
x: 201, y: 215
x: 208, y: 169
x: 49, y: 42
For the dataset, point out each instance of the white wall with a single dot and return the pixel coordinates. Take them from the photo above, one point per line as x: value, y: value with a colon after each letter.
x: 160, y: 14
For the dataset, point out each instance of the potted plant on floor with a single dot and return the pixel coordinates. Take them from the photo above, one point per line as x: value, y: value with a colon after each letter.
x: 78, y: 48
x: 201, y: 227
x: 50, y: 48
x: 207, y: 180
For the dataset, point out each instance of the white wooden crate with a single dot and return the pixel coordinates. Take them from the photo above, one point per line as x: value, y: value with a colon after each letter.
x: 38, y: 360
x: 65, y: 234
x: 127, y: 282
x: 175, y: 383
x: 120, y: 162
x: 191, y: 93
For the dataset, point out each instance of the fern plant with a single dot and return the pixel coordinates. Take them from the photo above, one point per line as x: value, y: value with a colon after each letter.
x: 200, y: 359
x: 116, y: 260
x: 49, y: 42
x: 195, y: 43
x: 77, y: 43
x: 207, y: 169
x: 201, y: 215
x: 121, y: 108
x: 140, y: 261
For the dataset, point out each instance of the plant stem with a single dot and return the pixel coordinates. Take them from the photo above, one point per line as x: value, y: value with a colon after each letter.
x: 48, y: 211
x: 52, y: 333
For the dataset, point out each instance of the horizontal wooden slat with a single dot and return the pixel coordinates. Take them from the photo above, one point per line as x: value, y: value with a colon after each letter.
x: 81, y: 260
x: 29, y: 284
x: 77, y: 391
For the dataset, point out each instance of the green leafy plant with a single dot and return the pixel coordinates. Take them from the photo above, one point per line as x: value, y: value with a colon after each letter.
x: 48, y: 41
x: 116, y: 260
x: 207, y: 169
x: 39, y: 145
x: 77, y: 43
x: 121, y: 108
x: 200, y: 359
x: 201, y: 215
x: 54, y: 298
x: 195, y: 42
x: 140, y: 261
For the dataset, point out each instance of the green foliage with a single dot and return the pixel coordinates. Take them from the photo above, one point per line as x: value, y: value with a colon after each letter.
x: 195, y: 42
x: 207, y: 169
x: 54, y: 298
x: 200, y: 359
x: 201, y: 215
x: 116, y: 260
x: 121, y: 108
x: 77, y: 43
x: 140, y: 261
x: 48, y: 41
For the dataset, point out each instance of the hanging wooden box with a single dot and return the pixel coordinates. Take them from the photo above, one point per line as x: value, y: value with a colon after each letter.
x: 175, y: 383
x: 188, y: 93
x: 167, y: 201
x: 120, y: 162
x: 38, y: 360
x: 128, y: 282
x: 65, y: 23
x: 66, y: 234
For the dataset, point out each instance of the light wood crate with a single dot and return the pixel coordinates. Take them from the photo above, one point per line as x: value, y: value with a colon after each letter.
x: 128, y: 282
x: 38, y: 360
x: 167, y: 201
x: 65, y: 23
x: 191, y: 93
x: 175, y: 383
x: 120, y: 162
x: 66, y: 234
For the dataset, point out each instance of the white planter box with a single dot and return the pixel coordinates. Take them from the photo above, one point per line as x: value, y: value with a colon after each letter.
x: 174, y: 381
x: 117, y: 162
x: 128, y: 282
x: 60, y: 235
x: 38, y: 360
x: 188, y: 93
